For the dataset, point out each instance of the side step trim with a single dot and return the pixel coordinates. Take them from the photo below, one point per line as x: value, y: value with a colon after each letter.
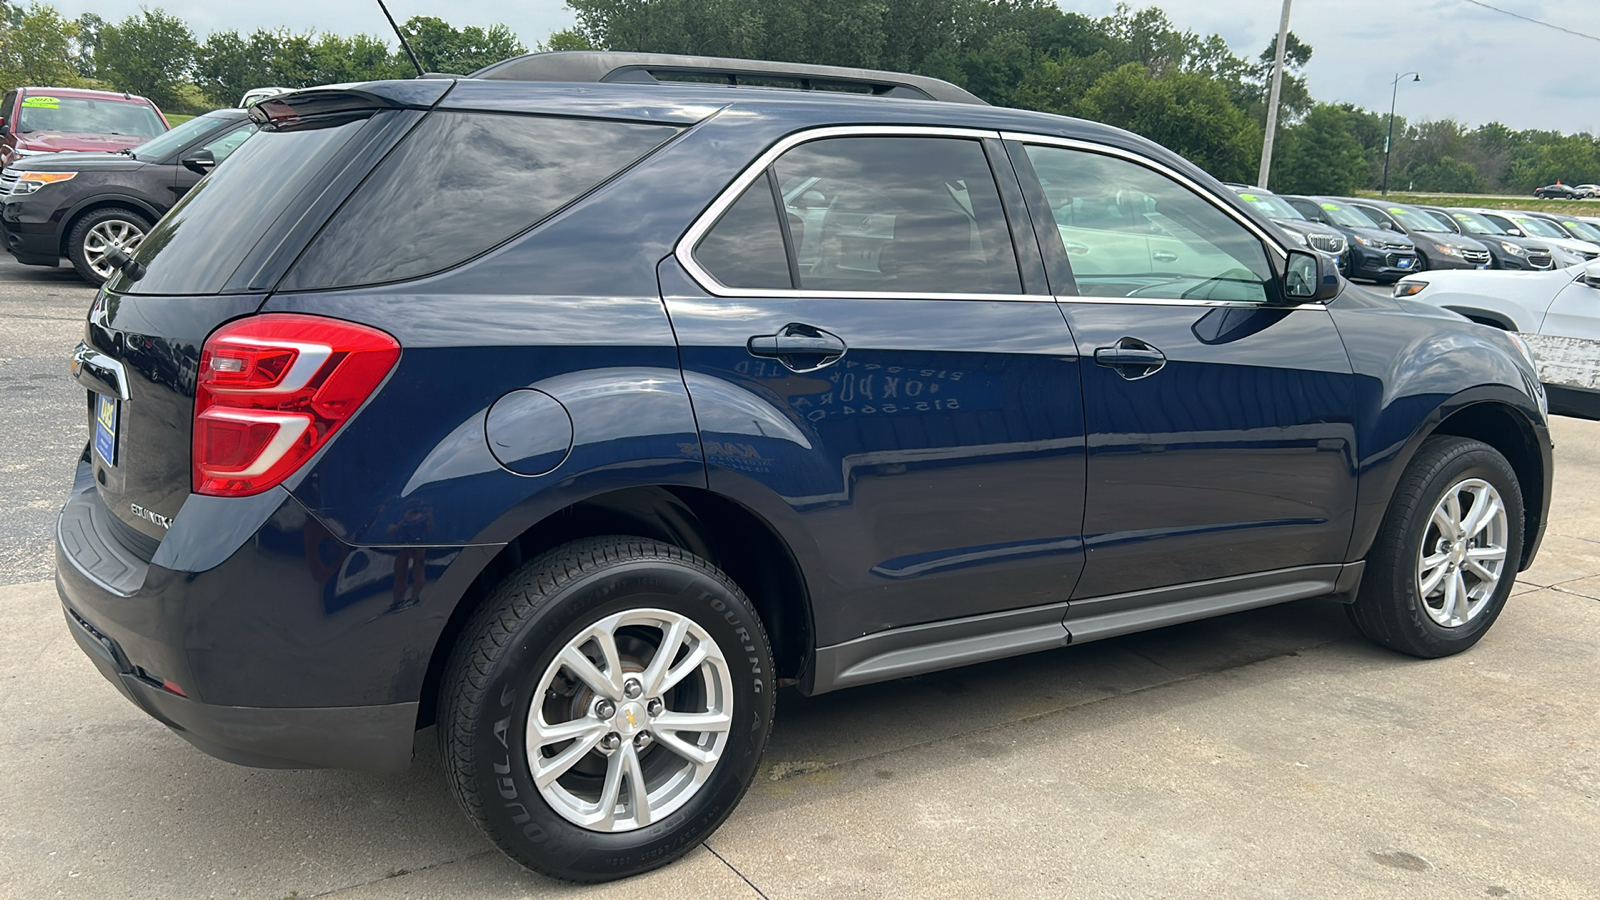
x: 919, y: 649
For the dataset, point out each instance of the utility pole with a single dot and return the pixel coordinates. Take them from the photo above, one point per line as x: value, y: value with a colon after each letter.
x: 1390, y: 139
x: 1272, y: 101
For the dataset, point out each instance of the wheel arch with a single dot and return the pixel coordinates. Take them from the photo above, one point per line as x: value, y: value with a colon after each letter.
x: 1507, y: 430
x: 727, y: 533
x: 1483, y: 316
x: 104, y: 201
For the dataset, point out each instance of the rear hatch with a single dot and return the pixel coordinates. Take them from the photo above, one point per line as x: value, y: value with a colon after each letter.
x: 214, y: 258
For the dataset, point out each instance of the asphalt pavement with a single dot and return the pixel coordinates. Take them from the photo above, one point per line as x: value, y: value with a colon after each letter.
x: 1273, y: 753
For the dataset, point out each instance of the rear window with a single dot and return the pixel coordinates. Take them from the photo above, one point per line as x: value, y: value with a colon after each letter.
x: 83, y: 115
x: 199, y: 244
x: 463, y: 183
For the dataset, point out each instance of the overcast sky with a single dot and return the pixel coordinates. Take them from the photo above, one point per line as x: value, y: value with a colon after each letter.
x: 1477, y: 66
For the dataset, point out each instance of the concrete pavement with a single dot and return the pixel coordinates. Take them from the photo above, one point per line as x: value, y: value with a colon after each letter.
x: 1272, y: 753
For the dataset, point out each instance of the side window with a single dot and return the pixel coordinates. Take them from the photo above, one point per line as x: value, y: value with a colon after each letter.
x: 6, y: 107
x: 1377, y: 216
x: 223, y: 146
x: 745, y: 248
x: 1132, y: 232
x: 903, y: 214
x: 460, y: 184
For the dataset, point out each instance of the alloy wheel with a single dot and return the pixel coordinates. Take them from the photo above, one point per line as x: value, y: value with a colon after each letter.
x: 107, y: 236
x: 1463, y: 553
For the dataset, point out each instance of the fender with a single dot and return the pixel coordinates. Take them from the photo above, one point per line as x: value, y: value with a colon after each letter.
x: 1484, y: 316
x: 100, y: 200
x: 1409, y: 381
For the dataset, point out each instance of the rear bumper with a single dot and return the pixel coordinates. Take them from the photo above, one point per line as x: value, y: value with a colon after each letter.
x: 376, y: 738
x: 286, y: 646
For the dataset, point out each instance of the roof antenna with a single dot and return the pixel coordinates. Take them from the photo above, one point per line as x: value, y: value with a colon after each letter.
x: 402, y: 36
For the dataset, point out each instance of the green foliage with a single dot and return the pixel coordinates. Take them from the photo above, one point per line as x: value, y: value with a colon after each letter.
x: 149, y: 53
x: 1321, y: 155
x: 1186, y: 112
x: 38, y: 47
x: 443, y: 48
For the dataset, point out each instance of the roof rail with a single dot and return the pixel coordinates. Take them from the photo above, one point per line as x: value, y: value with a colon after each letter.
x: 591, y: 66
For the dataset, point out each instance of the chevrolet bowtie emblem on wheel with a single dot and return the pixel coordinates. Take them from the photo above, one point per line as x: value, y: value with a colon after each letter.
x: 632, y: 722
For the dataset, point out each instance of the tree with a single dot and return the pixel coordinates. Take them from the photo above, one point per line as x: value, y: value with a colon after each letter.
x: 1186, y: 112
x: 1321, y: 154
x: 37, y: 47
x: 443, y: 48
x: 565, y: 39
x: 150, y: 53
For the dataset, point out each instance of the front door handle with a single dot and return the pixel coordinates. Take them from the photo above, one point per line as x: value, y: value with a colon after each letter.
x: 1165, y: 256
x: 1132, y: 358
x: 800, y: 347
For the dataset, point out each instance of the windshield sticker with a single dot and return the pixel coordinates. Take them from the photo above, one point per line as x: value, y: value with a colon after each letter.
x: 1395, y: 210
x: 1250, y: 197
x: 1330, y: 206
x: 41, y: 102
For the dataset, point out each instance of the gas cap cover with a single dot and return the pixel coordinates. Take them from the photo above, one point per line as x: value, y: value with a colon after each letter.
x: 529, y: 432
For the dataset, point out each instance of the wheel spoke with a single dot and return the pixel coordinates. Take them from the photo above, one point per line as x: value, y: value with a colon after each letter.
x: 1452, y: 586
x: 1431, y: 581
x: 600, y: 682
x: 1442, y: 521
x: 1484, y: 510
x: 1452, y: 509
x: 697, y: 655
x: 565, y: 731
x: 671, y: 640
x: 548, y: 770
x: 638, y: 791
x: 674, y: 722
x: 685, y: 749
x: 612, y: 789
x: 1477, y: 568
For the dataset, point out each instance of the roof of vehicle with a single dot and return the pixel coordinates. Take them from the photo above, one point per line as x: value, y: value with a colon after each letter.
x: 86, y: 93
x: 593, y: 67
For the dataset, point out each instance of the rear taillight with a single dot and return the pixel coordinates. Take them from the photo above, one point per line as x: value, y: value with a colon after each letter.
x: 273, y: 389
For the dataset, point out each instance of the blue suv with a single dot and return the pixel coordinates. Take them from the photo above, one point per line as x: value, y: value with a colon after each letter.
x: 578, y: 411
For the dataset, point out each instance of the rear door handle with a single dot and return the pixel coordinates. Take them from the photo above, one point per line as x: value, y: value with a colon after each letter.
x: 1132, y: 358
x: 800, y: 347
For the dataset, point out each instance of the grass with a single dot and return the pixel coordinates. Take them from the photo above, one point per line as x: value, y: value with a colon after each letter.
x: 1493, y: 201
x: 175, y: 120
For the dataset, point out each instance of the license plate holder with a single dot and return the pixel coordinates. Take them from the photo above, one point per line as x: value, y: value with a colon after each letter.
x: 107, y: 411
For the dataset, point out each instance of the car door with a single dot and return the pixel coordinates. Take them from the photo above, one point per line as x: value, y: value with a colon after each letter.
x: 219, y: 145
x: 1219, y: 417
x: 874, y: 372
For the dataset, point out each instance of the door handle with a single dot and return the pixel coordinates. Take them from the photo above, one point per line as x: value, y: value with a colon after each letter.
x: 800, y: 347
x: 1132, y: 358
x: 1164, y: 256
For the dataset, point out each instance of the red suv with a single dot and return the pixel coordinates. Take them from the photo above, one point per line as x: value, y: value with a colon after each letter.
x: 35, y: 120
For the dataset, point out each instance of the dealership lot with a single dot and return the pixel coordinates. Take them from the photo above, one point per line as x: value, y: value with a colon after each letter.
x: 1263, y: 754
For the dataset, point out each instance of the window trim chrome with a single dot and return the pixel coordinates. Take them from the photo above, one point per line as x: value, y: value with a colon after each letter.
x: 684, y: 249
x: 1157, y: 167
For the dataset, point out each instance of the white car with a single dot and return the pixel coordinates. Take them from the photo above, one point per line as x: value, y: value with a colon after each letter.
x: 1556, y: 311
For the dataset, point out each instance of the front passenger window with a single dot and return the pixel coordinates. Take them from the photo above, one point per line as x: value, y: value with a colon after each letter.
x: 1130, y: 231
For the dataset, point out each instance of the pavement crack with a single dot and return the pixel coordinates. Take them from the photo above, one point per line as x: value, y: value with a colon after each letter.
x: 400, y: 873
x: 759, y: 893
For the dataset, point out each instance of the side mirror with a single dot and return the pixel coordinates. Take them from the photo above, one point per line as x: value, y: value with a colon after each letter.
x: 1387, y: 226
x: 200, y: 162
x: 1310, y: 278
x: 1591, y: 275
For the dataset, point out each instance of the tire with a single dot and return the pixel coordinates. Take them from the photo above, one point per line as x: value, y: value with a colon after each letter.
x: 95, y: 231
x: 560, y: 606
x: 1391, y: 607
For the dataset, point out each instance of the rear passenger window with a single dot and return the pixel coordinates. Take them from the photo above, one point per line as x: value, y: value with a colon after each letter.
x: 461, y: 184
x: 901, y: 214
x: 745, y: 248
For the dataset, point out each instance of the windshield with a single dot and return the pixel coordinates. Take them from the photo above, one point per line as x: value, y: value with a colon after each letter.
x: 1344, y: 215
x: 1540, y: 227
x: 1472, y: 223
x: 175, y: 139
x: 82, y: 115
x: 1415, y: 219
x: 1271, y: 205
x: 1582, y: 230
x: 1443, y: 218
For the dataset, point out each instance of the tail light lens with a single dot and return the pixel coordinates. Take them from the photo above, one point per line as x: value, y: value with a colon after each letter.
x: 273, y: 389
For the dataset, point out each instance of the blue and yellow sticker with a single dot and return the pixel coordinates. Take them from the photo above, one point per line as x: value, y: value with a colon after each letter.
x: 105, y: 429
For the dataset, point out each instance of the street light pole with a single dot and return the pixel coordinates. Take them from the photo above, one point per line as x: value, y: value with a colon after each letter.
x: 1272, y: 101
x: 1393, y: 94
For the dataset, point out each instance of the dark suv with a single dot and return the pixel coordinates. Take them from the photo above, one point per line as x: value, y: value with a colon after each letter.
x: 85, y: 206
x: 1438, y: 246
x: 580, y: 419
x: 1381, y: 256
